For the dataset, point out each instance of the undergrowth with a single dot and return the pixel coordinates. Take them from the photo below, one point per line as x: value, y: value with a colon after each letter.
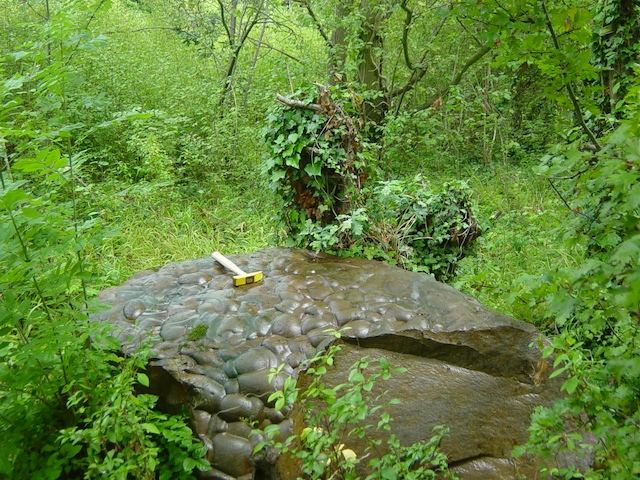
x: 152, y: 225
x: 521, y: 216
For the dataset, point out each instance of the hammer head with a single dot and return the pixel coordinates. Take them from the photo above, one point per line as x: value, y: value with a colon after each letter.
x: 247, y: 278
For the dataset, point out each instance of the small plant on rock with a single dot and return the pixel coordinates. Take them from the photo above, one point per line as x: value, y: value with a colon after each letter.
x: 336, y: 417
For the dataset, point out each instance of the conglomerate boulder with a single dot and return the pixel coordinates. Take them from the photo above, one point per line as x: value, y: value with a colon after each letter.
x: 213, y: 346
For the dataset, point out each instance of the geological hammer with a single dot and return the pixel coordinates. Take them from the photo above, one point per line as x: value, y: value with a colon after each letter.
x: 240, y: 278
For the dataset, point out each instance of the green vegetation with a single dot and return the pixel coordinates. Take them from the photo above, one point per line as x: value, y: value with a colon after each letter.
x: 138, y: 132
x: 198, y: 332
x: 338, y: 414
x: 317, y: 164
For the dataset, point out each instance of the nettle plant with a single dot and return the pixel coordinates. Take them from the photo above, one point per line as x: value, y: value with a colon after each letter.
x: 68, y: 401
x: 333, y: 416
x: 317, y: 164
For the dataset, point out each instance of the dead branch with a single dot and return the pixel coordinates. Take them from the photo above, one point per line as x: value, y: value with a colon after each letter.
x: 289, y: 102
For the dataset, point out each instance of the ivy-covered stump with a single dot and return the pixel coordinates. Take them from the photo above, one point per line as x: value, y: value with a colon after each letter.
x: 315, y: 160
x: 213, y: 347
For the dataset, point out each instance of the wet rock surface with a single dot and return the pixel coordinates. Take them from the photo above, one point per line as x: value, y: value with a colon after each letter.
x: 213, y: 346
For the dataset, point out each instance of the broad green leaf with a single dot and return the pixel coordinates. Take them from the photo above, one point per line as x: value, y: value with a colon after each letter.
x: 143, y: 379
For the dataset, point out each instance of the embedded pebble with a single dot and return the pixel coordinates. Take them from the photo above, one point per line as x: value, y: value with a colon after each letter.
x: 240, y: 429
x: 313, y: 322
x: 255, y: 359
x: 216, y: 425
x: 286, y: 326
x: 258, y: 383
x: 232, y: 454
x: 172, y: 332
x: 235, y: 406
x: 295, y: 359
x: 200, y: 420
x: 232, y: 386
x: 356, y: 328
x: 133, y: 309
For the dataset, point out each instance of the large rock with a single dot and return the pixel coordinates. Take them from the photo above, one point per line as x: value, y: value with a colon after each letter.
x: 213, y: 346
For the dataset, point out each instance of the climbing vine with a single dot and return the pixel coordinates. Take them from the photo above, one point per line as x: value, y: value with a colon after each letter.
x: 615, y: 48
x: 315, y: 159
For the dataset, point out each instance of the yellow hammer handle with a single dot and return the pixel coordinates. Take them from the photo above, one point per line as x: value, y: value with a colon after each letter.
x: 228, y: 264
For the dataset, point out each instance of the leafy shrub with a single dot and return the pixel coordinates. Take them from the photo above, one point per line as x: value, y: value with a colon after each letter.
x: 333, y: 415
x: 148, y: 159
x: 68, y: 406
x: 317, y: 165
x: 426, y: 231
x: 68, y: 402
x: 403, y: 223
x: 594, y: 307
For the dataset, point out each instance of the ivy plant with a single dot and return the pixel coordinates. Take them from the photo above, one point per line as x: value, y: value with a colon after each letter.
x: 315, y: 160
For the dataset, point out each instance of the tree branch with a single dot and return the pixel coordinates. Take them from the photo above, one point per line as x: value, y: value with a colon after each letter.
x: 275, y: 49
x: 566, y: 204
x: 236, y: 53
x: 289, y: 102
x: 316, y: 22
x: 405, y: 33
x: 458, y: 78
x: 417, y: 71
x: 223, y: 18
x: 470, y: 33
x: 568, y: 86
x: 144, y: 29
x: 415, y: 77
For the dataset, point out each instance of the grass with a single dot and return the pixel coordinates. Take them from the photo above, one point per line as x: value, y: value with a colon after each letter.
x: 153, y: 225
x: 520, y: 216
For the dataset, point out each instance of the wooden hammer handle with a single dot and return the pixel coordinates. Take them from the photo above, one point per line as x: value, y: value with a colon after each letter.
x: 225, y: 262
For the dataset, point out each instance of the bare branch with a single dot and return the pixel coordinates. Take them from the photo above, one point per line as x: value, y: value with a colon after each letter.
x: 316, y: 22
x: 469, y: 32
x: 289, y: 102
x: 264, y: 44
x: 223, y: 18
x: 43, y: 17
x: 144, y: 29
x: 415, y: 77
x: 474, y: 59
x: 405, y: 33
x: 233, y: 62
x: 458, y: 78
x: 417, y: 71
x: 566, y: 204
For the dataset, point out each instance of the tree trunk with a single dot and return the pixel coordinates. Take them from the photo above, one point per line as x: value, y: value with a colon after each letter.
x: 370, y: 73
x: 338, y: 48
x: 232, y: 22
